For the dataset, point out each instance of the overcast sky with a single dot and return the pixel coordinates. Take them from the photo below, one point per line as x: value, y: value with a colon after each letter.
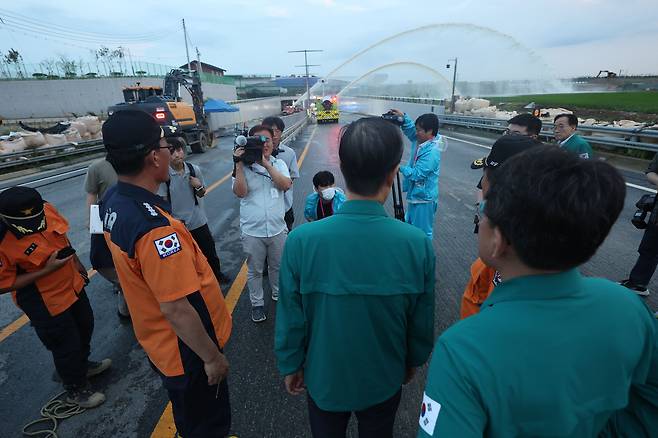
x: 574, y: 37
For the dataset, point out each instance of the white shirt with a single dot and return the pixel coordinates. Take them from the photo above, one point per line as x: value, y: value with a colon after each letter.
x: 289, y: 157
x: 263, y: 209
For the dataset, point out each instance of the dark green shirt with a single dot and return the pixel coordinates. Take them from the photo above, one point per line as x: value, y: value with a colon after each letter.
x: 579, y: 146
x: 356, y: 305
x: 548, y: 355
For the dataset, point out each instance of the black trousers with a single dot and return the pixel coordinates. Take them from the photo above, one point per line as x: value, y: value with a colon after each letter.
x: 648, y: 259
x: 68, y: 337
x: 204, y: 239
x: 289, y: 218
x: 374, y: 422
x: 200, y: 410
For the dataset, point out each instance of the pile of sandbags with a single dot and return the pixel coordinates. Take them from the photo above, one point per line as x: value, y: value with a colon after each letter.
x: 32, y: 139
x: 56, y: 139
x: 81, y: 127
x: 72, y: 135
x: 12, y: 143
x: 488, y: 112
x: 465, y: 106
x: 92, y: 123
x: 550, y: 113
x: 627, y: 124
x: 505, y: 115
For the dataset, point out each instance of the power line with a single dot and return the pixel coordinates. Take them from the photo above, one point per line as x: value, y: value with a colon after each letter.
x: 67, y: 29
x: 63, y: 35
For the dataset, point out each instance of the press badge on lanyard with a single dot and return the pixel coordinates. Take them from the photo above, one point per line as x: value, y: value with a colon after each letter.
x: 274, y: 193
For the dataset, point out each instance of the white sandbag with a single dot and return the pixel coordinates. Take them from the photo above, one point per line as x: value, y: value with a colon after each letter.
x: 476, y: 104
x: 86, y: 136
x: 80, y: 126
x: 33, y: 139
x: 72, y: 135
x: 461, y: 106
x: 55, y: 139
x: 97, y: 136
x: 12, y: 145
x: 92, y: 123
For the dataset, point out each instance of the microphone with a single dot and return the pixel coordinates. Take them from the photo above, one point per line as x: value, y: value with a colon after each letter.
x: 241, y: 140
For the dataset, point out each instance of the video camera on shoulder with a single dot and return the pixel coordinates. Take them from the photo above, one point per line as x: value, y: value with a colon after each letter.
x: 645, y: 206
x: 393, y: 118
x: 253, y: 148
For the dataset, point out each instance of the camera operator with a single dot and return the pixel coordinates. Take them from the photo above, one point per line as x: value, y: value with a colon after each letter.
x: 261, y: 185
x: 421, y: 174
x: 646, y: 263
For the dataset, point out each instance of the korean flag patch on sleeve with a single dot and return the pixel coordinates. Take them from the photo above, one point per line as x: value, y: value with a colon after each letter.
x: 429, y: 412
x: 168, y: 245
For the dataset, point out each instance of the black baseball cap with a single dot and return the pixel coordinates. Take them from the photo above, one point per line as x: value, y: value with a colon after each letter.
x: 131, y: 130
x: 22, y: 209
x: 505, y: 147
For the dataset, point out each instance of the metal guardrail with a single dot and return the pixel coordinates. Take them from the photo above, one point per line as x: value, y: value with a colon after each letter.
x: 609, y: 137
x: 633, y: 138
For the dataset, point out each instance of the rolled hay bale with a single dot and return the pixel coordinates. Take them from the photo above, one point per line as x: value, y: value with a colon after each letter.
x: 91, y: 122
x: 72, y: 135
x: 55, y: 139
x: 81, y: 127
x: 12, y: 144
x: 32, y: 139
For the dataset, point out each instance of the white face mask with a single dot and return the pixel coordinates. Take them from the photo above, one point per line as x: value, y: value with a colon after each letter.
x: 328, y: 194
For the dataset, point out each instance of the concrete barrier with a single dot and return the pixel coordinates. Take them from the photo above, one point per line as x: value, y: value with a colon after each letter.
x: 62, y: 98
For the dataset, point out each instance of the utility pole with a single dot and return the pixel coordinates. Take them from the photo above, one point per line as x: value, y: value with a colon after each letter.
x: 306, y: 65
x: 454, y: 79
x: 187, y: 50
x: 198, y: 62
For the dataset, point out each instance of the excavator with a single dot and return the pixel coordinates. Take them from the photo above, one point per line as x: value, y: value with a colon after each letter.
x: 169, y: 109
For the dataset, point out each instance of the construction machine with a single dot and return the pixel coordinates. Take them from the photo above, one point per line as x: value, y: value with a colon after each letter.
x: 169, y: 109
x: 609, y: 74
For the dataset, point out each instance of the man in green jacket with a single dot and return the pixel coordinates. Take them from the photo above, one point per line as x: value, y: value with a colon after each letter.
x: 551, y: 353
x: 564, y: 128
x: 355, y: 314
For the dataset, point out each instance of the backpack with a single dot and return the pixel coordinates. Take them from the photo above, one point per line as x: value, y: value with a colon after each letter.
x: 192, y: 174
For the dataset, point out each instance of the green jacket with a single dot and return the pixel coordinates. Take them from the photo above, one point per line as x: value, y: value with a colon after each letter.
x: 356, y: 305
x: 549, y: 355
x: 579, y: 146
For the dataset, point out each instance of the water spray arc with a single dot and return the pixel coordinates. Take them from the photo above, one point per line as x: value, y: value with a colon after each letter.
x: 397, y: 64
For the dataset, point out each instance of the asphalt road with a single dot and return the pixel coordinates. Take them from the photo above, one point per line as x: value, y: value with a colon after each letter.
x: 260, y: 406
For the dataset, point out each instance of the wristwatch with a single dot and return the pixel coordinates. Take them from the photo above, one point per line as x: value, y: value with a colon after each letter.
x: 200, y: 188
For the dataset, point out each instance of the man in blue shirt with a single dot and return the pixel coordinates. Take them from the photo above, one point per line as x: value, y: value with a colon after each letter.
x: 421, y: 174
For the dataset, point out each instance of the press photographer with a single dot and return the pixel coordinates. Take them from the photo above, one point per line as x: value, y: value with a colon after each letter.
x: 421, y: 174
x: 645, y: 218
x: 260, y: 182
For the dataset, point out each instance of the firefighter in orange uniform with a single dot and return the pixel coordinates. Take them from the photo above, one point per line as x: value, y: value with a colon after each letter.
x: 177, y: 308
x: 47, y: 280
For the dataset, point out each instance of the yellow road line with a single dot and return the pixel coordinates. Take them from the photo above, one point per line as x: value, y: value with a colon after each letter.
x: 166, y: 426
x: 13, y: 327
x: 23, y: 319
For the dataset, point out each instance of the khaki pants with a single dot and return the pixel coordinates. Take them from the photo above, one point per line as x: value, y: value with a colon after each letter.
x: 257, y: 249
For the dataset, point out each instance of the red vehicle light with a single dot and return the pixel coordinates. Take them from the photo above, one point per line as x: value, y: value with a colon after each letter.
x: 160, y: 116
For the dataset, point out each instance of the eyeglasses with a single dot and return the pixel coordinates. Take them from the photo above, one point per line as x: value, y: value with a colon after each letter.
x: 171, y: 148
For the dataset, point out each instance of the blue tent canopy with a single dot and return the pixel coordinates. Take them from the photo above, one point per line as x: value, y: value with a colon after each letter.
x: 219, y: 106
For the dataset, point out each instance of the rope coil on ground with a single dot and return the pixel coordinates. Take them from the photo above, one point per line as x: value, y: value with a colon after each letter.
x: 55, y: 409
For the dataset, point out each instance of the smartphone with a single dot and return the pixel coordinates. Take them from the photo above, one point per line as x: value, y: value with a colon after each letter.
x: 65, y: 252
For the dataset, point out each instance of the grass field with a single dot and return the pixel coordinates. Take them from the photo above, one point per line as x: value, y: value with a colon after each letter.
x: 640, y: 101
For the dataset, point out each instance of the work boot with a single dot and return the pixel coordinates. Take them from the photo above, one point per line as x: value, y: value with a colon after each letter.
x: 637, y: 288
x: 84, y: 397
x: 122, y: 307
x: 95, y: 368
